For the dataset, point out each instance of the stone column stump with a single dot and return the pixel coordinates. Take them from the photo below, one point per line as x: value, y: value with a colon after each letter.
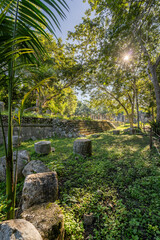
x: 43, y: 147
x: 47, y: 219
x: 39, y: 188
x: 83, y: 147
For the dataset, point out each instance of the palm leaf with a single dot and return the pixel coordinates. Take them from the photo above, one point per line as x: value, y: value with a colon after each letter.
x: 33, y: 18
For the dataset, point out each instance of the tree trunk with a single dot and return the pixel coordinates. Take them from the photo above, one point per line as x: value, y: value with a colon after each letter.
x: 152, y: 113
x: 130, y: 117
x: 156, y: 89
x: 137, y: 106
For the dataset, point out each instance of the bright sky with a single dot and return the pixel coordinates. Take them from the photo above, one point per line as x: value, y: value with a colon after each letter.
x: 76, y: 12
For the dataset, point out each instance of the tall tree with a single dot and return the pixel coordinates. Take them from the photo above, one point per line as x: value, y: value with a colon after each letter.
x: 134, y: 22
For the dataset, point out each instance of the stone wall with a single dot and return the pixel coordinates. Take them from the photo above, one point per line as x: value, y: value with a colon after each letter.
x: 38, y: 128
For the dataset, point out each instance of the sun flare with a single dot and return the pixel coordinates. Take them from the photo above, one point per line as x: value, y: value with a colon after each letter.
x: 126, y: 58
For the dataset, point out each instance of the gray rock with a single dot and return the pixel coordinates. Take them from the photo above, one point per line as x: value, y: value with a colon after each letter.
x: 18, y: 229
x: 39, y: 188
x: 48, y: 220
x: 43, y: 147
x: 16, y: 141
x: 35, y: 166
x: 33, y: 138
x: 70, y: 135
x: 22, y: 160
x: 83, y: 147
x: 88, y: 219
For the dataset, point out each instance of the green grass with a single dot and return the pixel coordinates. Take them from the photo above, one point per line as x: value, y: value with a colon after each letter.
x: 119, y: 184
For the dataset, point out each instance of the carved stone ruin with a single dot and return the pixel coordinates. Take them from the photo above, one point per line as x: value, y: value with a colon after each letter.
x: 83, y: 147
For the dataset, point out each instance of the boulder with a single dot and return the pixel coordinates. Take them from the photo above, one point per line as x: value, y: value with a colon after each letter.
x: 83, y: 147
x: 16, y: 141
x: 43, y: 147
x: 18, y: 229
x: 22, y: 160
x: 39, y: 188
x: 35, y: 166
x: 48, y: 220
x: 33, y: 138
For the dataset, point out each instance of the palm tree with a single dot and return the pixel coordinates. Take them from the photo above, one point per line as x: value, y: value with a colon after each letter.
x: 20, y: 22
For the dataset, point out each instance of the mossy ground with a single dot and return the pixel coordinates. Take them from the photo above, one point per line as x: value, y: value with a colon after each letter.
x: 127, y: 176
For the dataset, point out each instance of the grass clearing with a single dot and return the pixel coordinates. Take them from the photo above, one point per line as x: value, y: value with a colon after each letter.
x: 119, y: 184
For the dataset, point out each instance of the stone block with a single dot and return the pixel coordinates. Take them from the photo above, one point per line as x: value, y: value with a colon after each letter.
x: 22, y: 160
x: 16, y: 141
x: 35, y: 166
x: 83, y: 147
x: 39, y: 188
x: 48, y: 220
x: 17, y: 229
x: 43, y: 147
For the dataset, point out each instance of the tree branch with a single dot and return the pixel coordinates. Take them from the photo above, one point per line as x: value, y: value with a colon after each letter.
x: 157, y: 61
x: 112, y: 95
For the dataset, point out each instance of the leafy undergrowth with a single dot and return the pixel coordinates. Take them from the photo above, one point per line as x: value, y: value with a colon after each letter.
x: 119, y: 184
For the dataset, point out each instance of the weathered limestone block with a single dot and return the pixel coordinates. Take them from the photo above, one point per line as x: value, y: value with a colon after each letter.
x: 39, y: 188
x: 48, y: 220
x: 116, y: 132
x: 15, y: 141
x: 22, y: 160
x: 18, y: 229
x: 35, y: 166
x: 43, y: 147
x: 83, y: 147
